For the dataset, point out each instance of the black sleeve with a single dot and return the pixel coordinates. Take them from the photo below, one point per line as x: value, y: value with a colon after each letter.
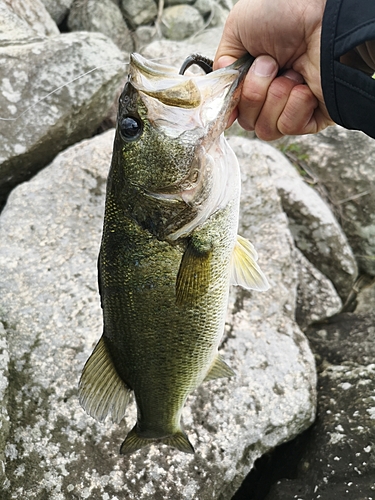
x: 349, y: 93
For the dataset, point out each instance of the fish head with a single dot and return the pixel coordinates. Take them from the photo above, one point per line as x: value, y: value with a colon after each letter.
x: 168, y: 130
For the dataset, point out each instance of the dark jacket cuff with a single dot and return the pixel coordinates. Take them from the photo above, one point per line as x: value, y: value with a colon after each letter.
x: 349, y: 93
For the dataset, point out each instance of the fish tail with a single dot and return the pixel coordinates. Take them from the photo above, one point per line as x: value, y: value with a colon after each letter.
x: 134, y: 442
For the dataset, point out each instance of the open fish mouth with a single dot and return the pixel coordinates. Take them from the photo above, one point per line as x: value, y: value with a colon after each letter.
x: 179, y: 103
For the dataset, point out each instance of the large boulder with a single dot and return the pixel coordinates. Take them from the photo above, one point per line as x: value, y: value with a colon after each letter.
x: 35, y: 14
x: 49, y: 240
x: 338, y: 460
x: 343, y: 162
x: 317, y: 298
x: 181, y: 21
x: 139, y: 11
x: 61, y: 91
x: 15, y: 30
x: 315, y: 229
x: 104, y: 17
x: 58, y: 9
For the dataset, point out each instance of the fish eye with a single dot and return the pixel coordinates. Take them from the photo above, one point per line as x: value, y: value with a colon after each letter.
x: 131, y: 128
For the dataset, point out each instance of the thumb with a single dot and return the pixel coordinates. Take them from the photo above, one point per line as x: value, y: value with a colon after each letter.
x: 230, y: 44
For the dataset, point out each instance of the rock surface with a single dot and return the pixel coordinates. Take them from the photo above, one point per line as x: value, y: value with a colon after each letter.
x: 49, y: 239
x: 338, y: 461
x: 47, y: 90
x: 315, y: 230
x: 343, y: 162
x: 139, y: 12
x: 317, y: 298
x: 175, y: 52
x: 58, y: 9
x: 104, y: 17
x: 14, y: 30
x: 34, y: 13
x: 180, y: 22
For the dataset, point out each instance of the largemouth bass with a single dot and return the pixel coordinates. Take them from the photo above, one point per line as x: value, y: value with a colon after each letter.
x: 169, y: 250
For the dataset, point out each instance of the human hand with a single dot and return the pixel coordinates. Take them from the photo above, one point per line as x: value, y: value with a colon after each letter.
x: 284, y: 34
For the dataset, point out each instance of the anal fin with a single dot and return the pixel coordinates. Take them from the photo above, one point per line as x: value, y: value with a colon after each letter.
x: 245, y: 270
x: 101, y: 390
x: 219, y: 369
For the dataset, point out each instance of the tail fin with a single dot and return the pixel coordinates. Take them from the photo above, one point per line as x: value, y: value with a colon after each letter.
x: 134, y: 442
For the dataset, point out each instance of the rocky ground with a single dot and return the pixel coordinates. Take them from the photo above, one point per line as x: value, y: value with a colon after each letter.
x: 297, y: 421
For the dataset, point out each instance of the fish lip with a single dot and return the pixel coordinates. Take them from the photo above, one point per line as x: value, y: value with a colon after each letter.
x: 151, y: 68
x: 158, y: 70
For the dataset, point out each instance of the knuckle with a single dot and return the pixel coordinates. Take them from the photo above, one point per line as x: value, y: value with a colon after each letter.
x: 253, y: 97
x: 265, y: 132
x: 298, y: 112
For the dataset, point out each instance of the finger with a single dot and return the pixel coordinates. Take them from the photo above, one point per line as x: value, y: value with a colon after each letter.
x: 278, y: 95
x: 223, y: 62
x: 303, y: 114
x: 254, y: 91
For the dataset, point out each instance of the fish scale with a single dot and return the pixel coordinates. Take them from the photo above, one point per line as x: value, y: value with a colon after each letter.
x: 169, y: 250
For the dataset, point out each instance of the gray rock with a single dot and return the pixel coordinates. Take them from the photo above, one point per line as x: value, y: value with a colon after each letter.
x: 49, y: 240
x: 42, y: 122
x: 14, y: 30
x: 180, y: 22
x: 219, y: 16
x: 343, y: 162
x: 314, y: 227
x: 317, y: 298
x: 366, y: 299
x: 104, y: 17
x: 34, y: 13
x: 338, y: 461
x: 347, y: 337
x: 169, y: 3
x: 213, y: 13
x: 204, y: 6
x: 227, y: 4
x: 144, y: 35
x: 139, y: 12
x: 58, y: 9
x: 175, y: 52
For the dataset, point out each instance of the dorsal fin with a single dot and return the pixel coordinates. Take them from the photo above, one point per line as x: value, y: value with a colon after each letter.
x: 101, y: 390
x: 245, y: 270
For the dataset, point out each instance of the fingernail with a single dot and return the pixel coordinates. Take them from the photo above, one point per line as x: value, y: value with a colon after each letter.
x: 293, y: 75
x: 223, y: 62
x: 264, y: 66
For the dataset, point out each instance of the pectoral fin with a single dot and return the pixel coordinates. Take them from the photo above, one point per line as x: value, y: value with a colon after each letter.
x: 194, y: 274
x: 134, y: 442
x: 219, y: 369
x: 245, y: 270
x: 101, y: 390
